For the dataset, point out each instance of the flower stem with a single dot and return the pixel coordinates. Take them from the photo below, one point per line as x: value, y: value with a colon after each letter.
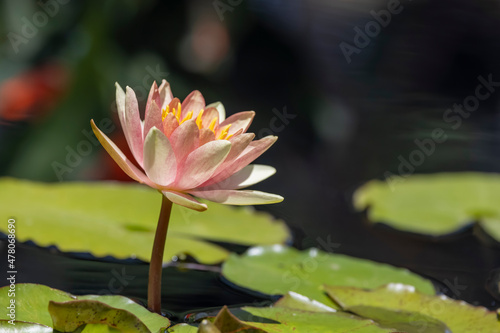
x: 155, y: 266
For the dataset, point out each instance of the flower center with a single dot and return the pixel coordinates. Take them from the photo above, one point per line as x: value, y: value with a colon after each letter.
x: 220, y: 133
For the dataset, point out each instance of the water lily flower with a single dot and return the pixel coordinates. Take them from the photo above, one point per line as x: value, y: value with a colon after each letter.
x: 188, y: 149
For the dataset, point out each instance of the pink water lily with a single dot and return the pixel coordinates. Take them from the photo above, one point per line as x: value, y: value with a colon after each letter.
x: 190, y: 149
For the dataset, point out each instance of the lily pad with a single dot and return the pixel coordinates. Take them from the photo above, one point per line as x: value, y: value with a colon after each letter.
x: 435, y: 204
x: 278, y: 269
x: 284, y: 320
x: 183, y: 328
x: 53, y: 308
x: 457, y: 315
x: 119, y: 220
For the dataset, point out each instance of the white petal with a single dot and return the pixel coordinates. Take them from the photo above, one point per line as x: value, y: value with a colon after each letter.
x: 184, y: 200
x: 248, y: 176
x: 241, y: 197
x: 220, y: 108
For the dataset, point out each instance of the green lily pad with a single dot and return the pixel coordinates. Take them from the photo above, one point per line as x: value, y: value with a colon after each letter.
x: 284, y: 320
x: 23, y: 327
x: 120, y: 219
x: 64, y: 312
x: 278, y: 269
x: 436, y: 204
x: 32, y: 302
x: 457, y: 315
x: 293, y: 300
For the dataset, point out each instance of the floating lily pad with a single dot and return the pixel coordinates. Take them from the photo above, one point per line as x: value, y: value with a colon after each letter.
x: 436, y: 204
x: 119, y: 220
x: 457, y: 315
x: 278, y: 269
x: 183, y: 328
x: 284, y: 320
x: 53, y: 308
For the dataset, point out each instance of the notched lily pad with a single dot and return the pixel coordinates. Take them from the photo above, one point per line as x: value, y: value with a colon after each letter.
x: 277, y: 269
x: 458, y: 316
x: 117, y: 219
x: 436, y: 204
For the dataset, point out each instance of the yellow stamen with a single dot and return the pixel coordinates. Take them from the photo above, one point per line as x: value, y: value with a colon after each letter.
x: 187, y: 117
x: 178, y: 110
x: 212, y: 124
x: 229, y: 136
x: 164, y: 113
x: 198, y: 119
x: 223, y: 133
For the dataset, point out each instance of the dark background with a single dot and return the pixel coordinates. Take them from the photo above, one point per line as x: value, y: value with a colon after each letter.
x: 350, y: 119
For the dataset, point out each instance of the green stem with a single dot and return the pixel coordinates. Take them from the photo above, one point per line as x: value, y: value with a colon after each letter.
x: 155, y: 267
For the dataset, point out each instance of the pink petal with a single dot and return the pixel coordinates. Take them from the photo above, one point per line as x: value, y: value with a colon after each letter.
x: 119, y: 157
x: 166, y: 95
x: 193, y: 102
x: 159, y: 158
x: 251, y: 152
x: 208, y: 115
x: 201, y: 164
x: 154, y: 96
x: 248, y: 176
x: 238, y: 144
x: 120, y: 104
x: 184, y: 200
x: 240, y: 120
x: 238, y: 197
x: 152, y: 118
x: 220, y: 109
x: 206, y: 135
x: 185, y: 139
x: 170, y: 123
x: 133, y: 126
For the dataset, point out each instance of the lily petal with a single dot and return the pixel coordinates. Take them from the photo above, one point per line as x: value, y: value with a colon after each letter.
x: 248, y: 176
x: 201, y: 164
x: 220, y: 108
x: 154, y: 96
x: 120, y: 103
x: 119, y: 157
x: 193, y: 102
x: 238, y: 197
x: 166, y: 95
x: 159, y: 158
x: 133, y: 126
x: 170, y: 123
x: 240, y: 120
x: 152, y: 118
x: 185, y: 139
x: 208, y: 115
x: 251, y: 152
x: 206, y: 135
x: 238, y: 144
x: 184, y: 200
